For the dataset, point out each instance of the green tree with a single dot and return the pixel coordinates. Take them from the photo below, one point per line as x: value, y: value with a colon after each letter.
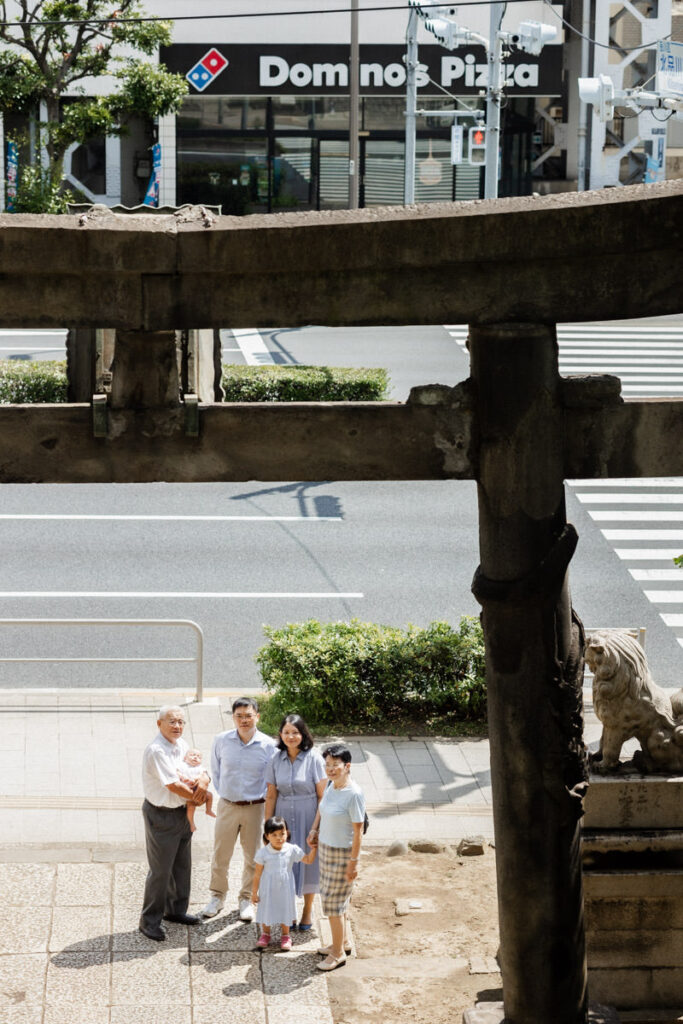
x: 46, y: 58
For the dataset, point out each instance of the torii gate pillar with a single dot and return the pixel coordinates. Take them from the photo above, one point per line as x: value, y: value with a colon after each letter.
x: 534, y: 668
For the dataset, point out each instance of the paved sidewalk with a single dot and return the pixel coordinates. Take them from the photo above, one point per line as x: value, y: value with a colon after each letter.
x: 70, y: 953
x: 70, y: 774
x: 72, y: 865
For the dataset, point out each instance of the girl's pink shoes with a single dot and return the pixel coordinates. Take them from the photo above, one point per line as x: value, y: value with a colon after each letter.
x: 263, y: 941
x: 286, y: 942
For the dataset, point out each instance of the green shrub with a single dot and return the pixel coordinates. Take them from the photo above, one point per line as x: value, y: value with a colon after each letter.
x: 362, y: 675
x: 22, y: 382
x: 304, y: 384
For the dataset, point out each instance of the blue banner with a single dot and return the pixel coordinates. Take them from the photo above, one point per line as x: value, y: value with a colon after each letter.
x: 152, y: 194
x: 11, y: 176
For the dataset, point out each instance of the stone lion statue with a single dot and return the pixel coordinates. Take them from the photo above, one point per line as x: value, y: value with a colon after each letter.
x: 629, y: 704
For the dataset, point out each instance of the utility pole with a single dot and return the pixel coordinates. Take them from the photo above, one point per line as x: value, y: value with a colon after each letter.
x: 411, y: 104
x: 494, y: 92
x: 353, y: 109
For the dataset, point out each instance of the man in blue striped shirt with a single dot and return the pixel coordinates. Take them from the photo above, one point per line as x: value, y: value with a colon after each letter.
x: 239, y: 758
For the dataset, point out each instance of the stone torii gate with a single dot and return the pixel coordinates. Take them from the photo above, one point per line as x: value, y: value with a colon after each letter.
x: 512, y: 269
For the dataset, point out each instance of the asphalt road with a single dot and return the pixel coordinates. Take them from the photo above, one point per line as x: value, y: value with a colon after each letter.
x: 233, y: 557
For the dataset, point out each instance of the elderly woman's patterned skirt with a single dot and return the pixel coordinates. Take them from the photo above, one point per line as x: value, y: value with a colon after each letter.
x: 335, y: 891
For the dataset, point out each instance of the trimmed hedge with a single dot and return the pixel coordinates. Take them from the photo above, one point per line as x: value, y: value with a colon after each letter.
x: 23, y: 382
x: 363, y: 675
x: 303, y: 384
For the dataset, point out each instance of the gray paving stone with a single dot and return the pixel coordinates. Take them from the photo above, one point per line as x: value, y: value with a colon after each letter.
x: 286, y: 974
x: 225, y: 978
x: 234, y: 1010
x: 76, y: 1014
x: 129, y: 883
x: 225, y: 933
x: 22, y: 981
x: 77, y: 979
x: 83, y: 885
x: 143, y: 979
x: 128, y: 938
x: 24, y: 929
x: 166, y: 1014
x: 81, y: 929
x: 27, y: 885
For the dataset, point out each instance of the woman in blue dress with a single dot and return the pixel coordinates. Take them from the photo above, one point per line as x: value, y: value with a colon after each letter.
x: 296, y: 782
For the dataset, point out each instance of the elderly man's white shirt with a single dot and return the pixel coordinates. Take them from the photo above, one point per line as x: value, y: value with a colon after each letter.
x: 161, y: 763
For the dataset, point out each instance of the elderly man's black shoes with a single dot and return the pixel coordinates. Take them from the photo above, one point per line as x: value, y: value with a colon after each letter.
x: 157, y: 934
x: 182, y: 918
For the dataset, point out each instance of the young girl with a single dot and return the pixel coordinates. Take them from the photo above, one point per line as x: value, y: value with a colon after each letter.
x: 276, y: 901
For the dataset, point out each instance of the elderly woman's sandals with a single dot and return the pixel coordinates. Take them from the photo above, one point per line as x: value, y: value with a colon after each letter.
x: 330, y: 963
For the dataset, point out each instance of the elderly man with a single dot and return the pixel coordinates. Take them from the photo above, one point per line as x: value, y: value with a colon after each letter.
x: 239, y: 758
x: 167, y: 830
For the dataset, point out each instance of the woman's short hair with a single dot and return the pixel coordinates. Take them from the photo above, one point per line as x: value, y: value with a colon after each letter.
x: 274, y: 824
x: 298, y: 723
x: 339, y: 751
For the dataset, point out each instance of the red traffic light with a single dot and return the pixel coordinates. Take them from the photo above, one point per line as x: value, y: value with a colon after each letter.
x: 478, y: 137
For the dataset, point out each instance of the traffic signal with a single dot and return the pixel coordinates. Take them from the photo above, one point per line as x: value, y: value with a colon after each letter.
x: 531, y: 36
x: 444, y: 30
x: 600, y: 92
x: 477, y: 144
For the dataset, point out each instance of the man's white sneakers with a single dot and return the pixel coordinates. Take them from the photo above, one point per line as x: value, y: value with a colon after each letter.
x: 247, y: 910
x: 213, y: 907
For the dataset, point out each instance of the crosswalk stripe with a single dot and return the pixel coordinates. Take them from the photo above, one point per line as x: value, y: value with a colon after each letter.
x: 643, y: 534
x: 639, y: 516
x: 648, y: 359
x: 631, y: 498
x: 630, y: 481
x: 647, y: 554
x: 657, y: 575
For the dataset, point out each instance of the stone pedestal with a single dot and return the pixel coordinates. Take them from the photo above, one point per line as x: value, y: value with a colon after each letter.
x: 633, y: 886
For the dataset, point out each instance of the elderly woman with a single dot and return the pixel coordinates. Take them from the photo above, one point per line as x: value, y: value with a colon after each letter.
x: 296, y: 782
x: 338, y: 830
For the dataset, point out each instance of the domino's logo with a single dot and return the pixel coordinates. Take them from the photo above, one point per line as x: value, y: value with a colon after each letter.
x: 207, y: 69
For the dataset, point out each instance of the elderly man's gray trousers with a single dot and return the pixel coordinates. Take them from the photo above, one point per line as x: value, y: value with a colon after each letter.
x: 169, y: 855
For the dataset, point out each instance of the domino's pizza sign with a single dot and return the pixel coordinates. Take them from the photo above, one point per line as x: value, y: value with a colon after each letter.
x: 207, y: 69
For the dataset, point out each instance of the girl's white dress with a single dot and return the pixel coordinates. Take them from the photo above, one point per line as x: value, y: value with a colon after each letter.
x: 277, y: 899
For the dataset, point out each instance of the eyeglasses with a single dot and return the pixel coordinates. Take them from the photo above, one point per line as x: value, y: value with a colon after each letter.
x: 244, y: 718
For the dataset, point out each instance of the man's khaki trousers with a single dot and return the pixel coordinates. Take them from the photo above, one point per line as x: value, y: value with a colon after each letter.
x: 232, y: 820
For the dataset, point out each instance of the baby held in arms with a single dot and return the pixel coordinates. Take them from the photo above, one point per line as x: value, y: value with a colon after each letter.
x: 190, y: 773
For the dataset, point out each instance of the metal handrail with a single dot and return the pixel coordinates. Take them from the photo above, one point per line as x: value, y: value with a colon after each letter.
x: 198, y: 659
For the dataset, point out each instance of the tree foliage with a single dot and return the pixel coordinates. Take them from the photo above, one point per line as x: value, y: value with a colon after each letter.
x: 45, y: 59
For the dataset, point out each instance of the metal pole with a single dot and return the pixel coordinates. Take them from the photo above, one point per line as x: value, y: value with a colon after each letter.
x: 353, y: 109
x: 582, y: 183
x: 493, y: 97
x: 411, y: 104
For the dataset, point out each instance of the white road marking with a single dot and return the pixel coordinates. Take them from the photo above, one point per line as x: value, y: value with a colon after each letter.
x: 643, y: 535
x: 665, y: 596
x: 672, y: 620
x: 157, y: 518
x: 185, y: 594
x: 253, y: 347
x: 647, y: 554
x: 31, y: 348
x: 657, y: 575
x: 629, y: 498
x: 32, y: 334
x: 639, y: 516
x: 630, y: 481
